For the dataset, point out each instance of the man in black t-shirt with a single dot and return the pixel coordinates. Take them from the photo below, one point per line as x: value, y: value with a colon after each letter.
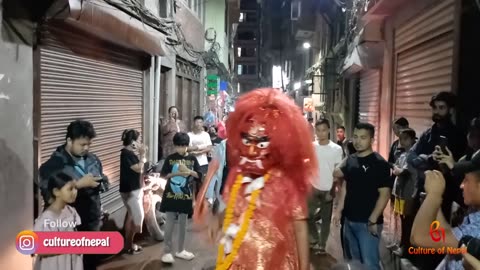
x: 364, y: 195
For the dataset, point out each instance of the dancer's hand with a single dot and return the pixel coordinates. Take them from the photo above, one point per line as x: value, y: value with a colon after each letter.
x: 336, y: 218
x: 214, y: 228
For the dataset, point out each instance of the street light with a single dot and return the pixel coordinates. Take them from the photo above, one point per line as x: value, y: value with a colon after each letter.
x: 297, y: 85
x: 307, y: 45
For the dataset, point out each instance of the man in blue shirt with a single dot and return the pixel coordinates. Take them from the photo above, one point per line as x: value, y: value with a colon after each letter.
x: 430, y: 211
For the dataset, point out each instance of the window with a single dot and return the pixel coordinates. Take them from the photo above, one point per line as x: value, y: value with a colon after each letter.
x: 246, y: 52
x: 296, y: 8
x: 250, y: 17
x: 246, y: 70
x: 247, y: 35
x: 164, y: 8
x: 242, y: 17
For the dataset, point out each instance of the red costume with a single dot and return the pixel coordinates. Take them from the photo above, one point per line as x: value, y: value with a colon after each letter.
x: 266, y: 191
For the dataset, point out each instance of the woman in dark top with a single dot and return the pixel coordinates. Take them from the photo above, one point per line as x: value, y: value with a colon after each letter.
x: 131, y: 186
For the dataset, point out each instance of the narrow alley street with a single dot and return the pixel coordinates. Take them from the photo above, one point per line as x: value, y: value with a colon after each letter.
x: 114, y: 111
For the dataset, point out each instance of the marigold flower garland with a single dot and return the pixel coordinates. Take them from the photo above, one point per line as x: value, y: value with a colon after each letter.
x: 223, y: 263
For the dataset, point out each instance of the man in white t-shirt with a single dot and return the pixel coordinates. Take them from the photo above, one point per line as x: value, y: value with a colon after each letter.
x: 200, y: 146
x: 329, y: 155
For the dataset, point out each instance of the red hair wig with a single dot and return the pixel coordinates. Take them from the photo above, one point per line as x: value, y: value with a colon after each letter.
x: 289, y: 133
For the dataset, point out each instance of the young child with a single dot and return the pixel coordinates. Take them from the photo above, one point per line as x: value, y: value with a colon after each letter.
x: 404, y: 191
x: 178, y: 168
x: 62, y: 189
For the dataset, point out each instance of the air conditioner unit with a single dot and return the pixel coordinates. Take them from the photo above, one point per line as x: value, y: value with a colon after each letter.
x: 296, y: 10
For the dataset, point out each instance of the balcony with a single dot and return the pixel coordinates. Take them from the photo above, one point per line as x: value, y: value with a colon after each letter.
x: 244, y: 27
x: 246, y: 60
x: 366, y: 50
x: 248, y: 5
x: 245, y: 43
x: 246, y: 54
x: 248, y: 19
x: 247, y: 77
x: 304, y: 24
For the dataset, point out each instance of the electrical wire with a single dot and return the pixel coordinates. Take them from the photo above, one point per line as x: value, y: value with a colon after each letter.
x: 175, y: 35
x: 12, y: 27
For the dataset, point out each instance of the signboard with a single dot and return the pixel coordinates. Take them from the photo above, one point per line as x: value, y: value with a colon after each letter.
x: 223, y: 86
x: 213, y: 84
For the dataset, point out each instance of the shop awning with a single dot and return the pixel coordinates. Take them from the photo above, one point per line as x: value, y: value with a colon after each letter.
x: 352, y: 63
x: 104, y: 20
x: 365, y: 52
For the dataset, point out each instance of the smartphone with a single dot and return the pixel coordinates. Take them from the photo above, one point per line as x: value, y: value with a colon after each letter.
x: 443, y: 144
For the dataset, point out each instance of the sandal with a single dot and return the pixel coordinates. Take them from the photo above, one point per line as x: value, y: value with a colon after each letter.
x: 136, y: 250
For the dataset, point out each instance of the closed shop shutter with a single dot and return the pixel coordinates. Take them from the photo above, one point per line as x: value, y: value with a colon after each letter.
x: 187, y: 103
x: 82, y: 77
x: 188, y: 76
x: 424, y: 50
x: 179, y: 97
x: 369, y: 100
x: 163, y: 94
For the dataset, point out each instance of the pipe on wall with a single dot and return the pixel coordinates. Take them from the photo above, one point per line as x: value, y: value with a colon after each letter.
x: 156, y: 108
x: 148, y: 112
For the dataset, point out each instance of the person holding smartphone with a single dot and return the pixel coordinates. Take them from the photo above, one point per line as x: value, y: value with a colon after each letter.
x: 421, y: 156
x: 74, y: 159
x: 131, y: 186
x: 169, y: 128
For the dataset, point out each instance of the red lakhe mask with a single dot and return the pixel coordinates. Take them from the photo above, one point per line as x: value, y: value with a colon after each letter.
x: 267, y: 132
x: 254, y: 150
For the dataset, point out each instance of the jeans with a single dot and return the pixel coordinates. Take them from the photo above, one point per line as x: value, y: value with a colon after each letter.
x: 91, y: 261
x: 169, y: 229
x: 324, y: 200
x: 362, y: 245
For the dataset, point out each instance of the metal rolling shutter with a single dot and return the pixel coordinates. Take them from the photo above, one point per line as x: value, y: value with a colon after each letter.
x: 424, y: 48
x: 84, y: 78
x: 187, y: 103
x: 369, y: 100
x: 179, y: 97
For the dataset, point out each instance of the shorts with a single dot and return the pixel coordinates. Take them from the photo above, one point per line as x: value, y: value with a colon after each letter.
x: 133, y: 201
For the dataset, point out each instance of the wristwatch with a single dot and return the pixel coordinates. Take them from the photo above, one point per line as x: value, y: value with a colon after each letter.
x: 371, y: 223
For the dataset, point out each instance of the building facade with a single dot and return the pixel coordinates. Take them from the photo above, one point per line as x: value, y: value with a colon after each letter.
x: 246, y: 46
x: 407, y: 51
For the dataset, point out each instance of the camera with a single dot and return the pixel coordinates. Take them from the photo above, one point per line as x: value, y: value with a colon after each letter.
x: 103, y: 184
x: 472, y: 244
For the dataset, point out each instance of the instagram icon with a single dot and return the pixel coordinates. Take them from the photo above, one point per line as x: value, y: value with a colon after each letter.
x: 27, y: 242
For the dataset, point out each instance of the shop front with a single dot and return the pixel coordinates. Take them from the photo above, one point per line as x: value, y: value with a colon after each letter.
x: 80, y: 73
x: 424, y: 62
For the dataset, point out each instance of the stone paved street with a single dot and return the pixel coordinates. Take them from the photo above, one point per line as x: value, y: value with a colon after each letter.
x: 205, y: 255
